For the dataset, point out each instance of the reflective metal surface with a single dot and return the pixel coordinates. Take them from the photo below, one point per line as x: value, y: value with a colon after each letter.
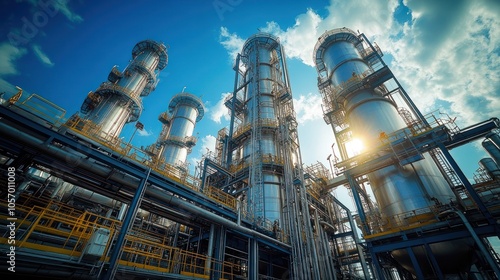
x: 491, y: 167
x: 112, y: 114
x: 495, y: 138
x: 120, y: 101
x: 259, y: 51
x: 492, y: 150
x: 401, y: 189
x: 186, y: 109
x: 397, y: 189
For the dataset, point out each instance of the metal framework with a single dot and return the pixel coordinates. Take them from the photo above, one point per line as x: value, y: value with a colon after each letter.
x: 406, y: 235
x: 90, y: 206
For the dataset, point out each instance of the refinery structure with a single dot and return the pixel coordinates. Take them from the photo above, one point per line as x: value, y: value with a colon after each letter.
x: 80, y: 203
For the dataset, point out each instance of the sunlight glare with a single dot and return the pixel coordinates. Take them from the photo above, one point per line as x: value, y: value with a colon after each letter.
x: 355, y: 147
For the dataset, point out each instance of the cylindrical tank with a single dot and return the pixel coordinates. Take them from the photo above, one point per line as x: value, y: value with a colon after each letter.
x: 491, y: 168
x: 494, y: 137
x: 398, y: 189
x: 492, y: 150
x: 117, y: 101
x: 260, y: 53
x: 186, y: 110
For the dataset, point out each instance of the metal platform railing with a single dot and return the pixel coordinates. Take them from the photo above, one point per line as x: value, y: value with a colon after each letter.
x: 66, y: 233
x: 91, y: 131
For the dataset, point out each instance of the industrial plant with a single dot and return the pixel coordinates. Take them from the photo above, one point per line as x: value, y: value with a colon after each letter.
x: 80, y: 202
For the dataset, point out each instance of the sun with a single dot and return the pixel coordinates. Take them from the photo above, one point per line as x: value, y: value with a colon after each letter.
x: 355, y: 147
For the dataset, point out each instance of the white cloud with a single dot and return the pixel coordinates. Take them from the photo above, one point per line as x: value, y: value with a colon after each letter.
x: 231, y: 42
x: 208, y: 143
x: 451, y: 54
x: 144, y: 132
x: 8, y: 55
x: 63, y: 7
x: 446, y: 54
x: 220, y: 110
x: 42, y: 56
x: 56, y: 6
x: 299, y: 39
x: 370, y: 17
x: 308, y: 108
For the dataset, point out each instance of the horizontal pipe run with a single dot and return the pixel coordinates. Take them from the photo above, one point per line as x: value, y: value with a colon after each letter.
x: 132, y: 182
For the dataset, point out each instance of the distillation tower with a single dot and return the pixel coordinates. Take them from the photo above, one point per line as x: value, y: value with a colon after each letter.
x: 176, y: 138
x: 359, y: 101
x: 118, y: 100
x: 263, y: 145
x: 85, y: 205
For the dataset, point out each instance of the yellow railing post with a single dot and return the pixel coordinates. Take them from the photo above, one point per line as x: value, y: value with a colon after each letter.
x: 33, y: 226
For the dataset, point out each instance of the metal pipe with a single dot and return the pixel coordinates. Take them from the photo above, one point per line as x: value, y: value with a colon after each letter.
x: 494, y: 137
x: 127, y: 224
x: 492, y: 150
x: 210, y: 247
x: 476, y: 238
x: 328, y: 257
x: 355, y: 236
x: 322, y: 245
x: 176, y: 235
x: 193, y: 209
x: 123, y: 210
x: 228, y: 144
x: 238, y: 210
x: 491, y: 168
x: 85, y: 164
x: 253, y: 260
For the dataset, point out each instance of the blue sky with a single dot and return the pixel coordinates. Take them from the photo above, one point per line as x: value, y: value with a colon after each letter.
x: 445, y: 54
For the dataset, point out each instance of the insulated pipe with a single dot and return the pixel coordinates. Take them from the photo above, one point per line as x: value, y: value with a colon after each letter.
x: 491, y: 168
x: 58, y: 153
x: 193, y: 209
x: 210, y: 248
x: 492, y: 150
x: 494, y: 137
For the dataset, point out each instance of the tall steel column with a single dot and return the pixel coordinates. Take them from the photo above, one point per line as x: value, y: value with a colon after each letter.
x: 264, y: 196
x: 266, y: 141
x: 176, y: 139
x: 368, y: 114
x: 118, y: 100
x: 359, y: 105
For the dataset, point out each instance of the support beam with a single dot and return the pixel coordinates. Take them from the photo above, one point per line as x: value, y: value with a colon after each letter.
x: 253, y: 265
x: 472, y: 192
x: 126, y: 226
x: 355, y: 236
x: 435, y: 264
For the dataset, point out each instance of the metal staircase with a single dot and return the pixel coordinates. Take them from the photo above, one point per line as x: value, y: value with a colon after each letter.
x: 403, y: 147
